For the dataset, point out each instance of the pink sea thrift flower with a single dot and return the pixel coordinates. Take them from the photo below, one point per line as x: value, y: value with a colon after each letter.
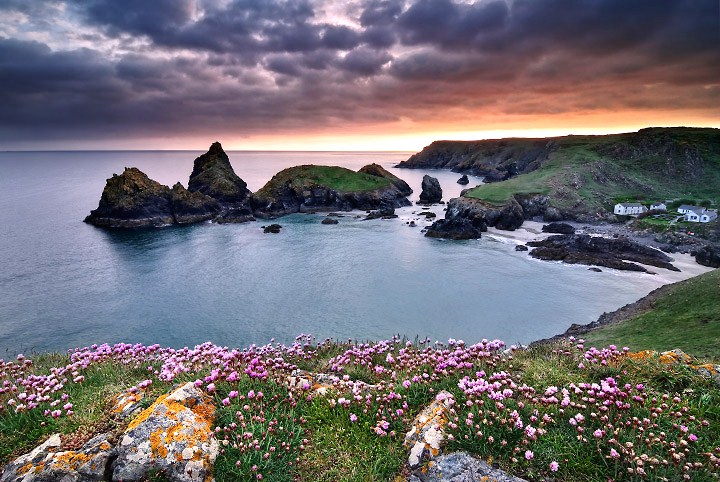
x: 529, y: 454
x: 554, y: 466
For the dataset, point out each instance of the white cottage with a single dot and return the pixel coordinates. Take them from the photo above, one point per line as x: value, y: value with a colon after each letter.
x: 700, y: 215
x: 658, y: 207
x: 686, y: 208
x: 629, y: 209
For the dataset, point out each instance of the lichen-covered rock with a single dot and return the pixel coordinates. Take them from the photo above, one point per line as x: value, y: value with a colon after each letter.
x: 173, y: 435
x: 427, y: 435
x: 213, y: 176
x: 127, y: 402
x: 322, y: 383
x: 47, y: 463
x: 461, y: 467
x: 431, y: 190
x: 379, y: 171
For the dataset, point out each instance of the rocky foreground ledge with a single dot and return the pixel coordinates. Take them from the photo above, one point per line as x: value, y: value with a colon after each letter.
x: 387, y: 410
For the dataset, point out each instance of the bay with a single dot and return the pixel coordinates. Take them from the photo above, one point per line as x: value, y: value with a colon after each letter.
x: 64, y: 283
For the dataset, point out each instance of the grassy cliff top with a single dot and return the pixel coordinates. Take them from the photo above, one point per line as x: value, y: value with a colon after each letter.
x: 594, y: 172
x: 334, y: 177
x: 683, y: 315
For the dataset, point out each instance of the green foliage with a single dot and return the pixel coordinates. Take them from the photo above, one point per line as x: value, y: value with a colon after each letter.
x: 333, y: 177
x: 687, y: 318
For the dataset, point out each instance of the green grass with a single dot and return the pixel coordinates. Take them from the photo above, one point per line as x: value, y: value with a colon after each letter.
x: 591, y: 173
x: 688, y: 318
x: 338, y: 178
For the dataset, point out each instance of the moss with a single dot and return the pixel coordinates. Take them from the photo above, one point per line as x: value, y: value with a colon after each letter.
x: 333, y: 177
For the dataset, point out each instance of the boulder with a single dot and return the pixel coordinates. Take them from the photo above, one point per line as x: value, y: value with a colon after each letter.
x: 48, y: 463
x: 379, y: 171
x: 618, y: 253
x: 382, y: 213
x: 431, y: 190
x: 329, y: 221
x: 174, y: 435
x: 453, y: 229
x: 558, y: 228
x: 461, y: 467
x: 213, y: 175
x: 708, y: 256
x: 521, y: 247
x: 463, y: 180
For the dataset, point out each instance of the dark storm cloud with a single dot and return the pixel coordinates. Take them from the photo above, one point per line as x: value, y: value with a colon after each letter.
x: 175, y: 66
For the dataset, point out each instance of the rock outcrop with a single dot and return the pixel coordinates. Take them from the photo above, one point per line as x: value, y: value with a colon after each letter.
x: 133, y: 200
x: 213, y: 176
x: 431, y: 190
x: 619, y: 253
x: 427, y: 432
x: 463, y: 181
x: 454, y: 229
x: 462, y: 467
x: 379, y: 171
x: 312, y: 188
x: 173, y: 435
x: 558, y: 228
x: 708, y: 256
x: 506, y: 217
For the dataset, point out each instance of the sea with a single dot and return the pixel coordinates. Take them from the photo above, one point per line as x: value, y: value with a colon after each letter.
x: 65, y: 284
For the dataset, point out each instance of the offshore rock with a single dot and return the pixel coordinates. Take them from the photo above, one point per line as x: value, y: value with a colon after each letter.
x: 619, y: 253
x: 379, y: 171
x: 382, y: 213
x: 132, y: 200
x: 273, y: 228
x: 461, y: 467
x: 173, y: 435
x: 463, y: 181
x: 507, y: 217
x: 453, y: 229
x: 431, y: 190
x: 311, y: 188
x: 213, y: 176
x: 47, y: 463
x: 329, y: 221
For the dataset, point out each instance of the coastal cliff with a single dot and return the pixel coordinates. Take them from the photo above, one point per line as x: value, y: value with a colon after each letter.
x: 311, y: 188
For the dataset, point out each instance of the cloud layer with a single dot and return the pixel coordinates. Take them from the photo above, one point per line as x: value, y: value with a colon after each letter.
x: 103, y: 69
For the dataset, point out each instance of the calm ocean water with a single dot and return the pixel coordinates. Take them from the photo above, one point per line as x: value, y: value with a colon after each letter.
x: 64, y: 283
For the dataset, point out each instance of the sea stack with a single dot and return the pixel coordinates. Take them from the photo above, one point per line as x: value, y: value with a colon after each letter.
x: 379, y: 171
x: 213, y: 176
x: 431, y: 191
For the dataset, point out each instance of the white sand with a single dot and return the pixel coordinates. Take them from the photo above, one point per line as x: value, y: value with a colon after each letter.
x: 532, y: 230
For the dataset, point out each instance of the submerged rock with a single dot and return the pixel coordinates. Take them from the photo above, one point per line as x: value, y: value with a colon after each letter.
x: 173, y: 435
x: 329, y: 221
x: 379, y: 171
x: 273, y: 228
x: 431, y: 190
x: 521, y: 247
x: 619, y: 253
x: 213, y: 175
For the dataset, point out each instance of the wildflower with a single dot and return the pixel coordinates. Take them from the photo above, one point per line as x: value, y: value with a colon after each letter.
x: 554, y: 466
x: 529, y: 454
x: 614, y: 454
x: 353, y: 417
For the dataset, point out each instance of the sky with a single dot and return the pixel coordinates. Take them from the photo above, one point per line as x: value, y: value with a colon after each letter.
x: 349, y: 75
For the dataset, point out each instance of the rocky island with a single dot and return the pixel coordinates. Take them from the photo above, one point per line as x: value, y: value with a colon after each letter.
x: 215, y: 192
x: 311, y: 188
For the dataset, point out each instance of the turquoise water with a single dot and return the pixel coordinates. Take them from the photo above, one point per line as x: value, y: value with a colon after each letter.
x: 64, y: 283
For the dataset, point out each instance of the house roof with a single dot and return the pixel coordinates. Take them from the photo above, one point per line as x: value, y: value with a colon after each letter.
x: 689, y: 207
x: 631, y: 205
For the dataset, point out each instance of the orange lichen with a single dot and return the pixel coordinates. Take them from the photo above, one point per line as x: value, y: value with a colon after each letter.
x: 707, y: 366
x: 145, y: 414
x: 71, y: 460
x: 157, y: 446
x: 24, y: 469
x: 641, y: 355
